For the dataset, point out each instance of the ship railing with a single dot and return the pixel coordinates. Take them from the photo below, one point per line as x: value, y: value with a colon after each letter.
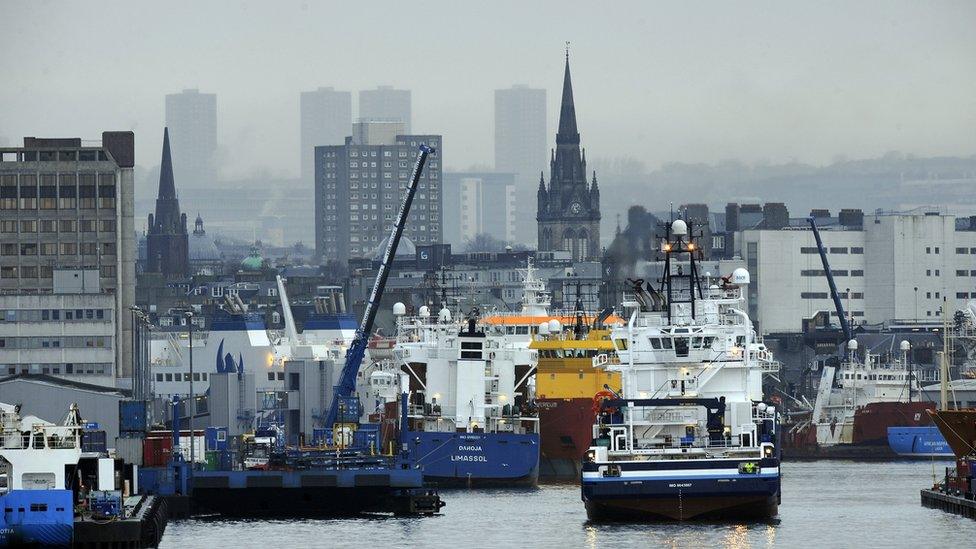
x: 50, y: 437
x: 623, y: 443
x: 603, y: 360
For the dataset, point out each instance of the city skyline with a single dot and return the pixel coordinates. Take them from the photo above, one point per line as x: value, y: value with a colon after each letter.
x: 727, y: 94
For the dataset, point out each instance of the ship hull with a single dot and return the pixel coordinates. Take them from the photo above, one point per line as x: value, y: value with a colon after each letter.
x: 477, y: 459
x: 717, y: 491
x: 918, y: 442
x: 872, y: 421
x: 45, y: 518
x: 566, y: 431
x: 867, y: 438
x: 304, y: 493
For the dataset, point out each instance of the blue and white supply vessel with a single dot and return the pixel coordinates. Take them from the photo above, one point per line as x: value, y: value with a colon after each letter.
x: 919, y: 442
x: 37, y: 501
x: 471, y: 421
x: 688, y: 435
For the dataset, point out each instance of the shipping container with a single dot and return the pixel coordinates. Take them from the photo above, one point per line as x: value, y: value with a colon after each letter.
x: 94, y: 441
x: 132, y: 417
x: 216, y: 438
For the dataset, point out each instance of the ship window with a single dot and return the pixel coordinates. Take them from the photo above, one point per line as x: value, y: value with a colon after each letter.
x: 696, y: 342
x: 667, y: 342
x: 471, y: 355
x: 521, y: 330
x: 169, y: 377
x: 655, y: 343
x: 38, y: 507
x: 470, y: 344
x: 159, y: 377
x: 270, y: 376
x: 681, y: 346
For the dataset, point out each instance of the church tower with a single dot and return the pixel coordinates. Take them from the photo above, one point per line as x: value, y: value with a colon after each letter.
x: 168, y: 250
x: 568, y: 213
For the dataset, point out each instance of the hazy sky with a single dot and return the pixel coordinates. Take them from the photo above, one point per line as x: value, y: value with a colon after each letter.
x: 679, y: 81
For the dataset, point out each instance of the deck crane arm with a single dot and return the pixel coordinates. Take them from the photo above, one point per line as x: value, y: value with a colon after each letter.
x: 346, y: 386
x: 830, y: 281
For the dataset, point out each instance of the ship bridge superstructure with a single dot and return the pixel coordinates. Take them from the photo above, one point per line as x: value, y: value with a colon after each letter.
x: 691, y: 367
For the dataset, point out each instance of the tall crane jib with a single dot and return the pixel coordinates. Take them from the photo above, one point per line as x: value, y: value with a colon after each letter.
x: 845, y: 326
x: 344, y: 410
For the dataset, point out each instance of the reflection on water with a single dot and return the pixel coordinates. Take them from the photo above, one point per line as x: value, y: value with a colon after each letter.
x: 825, y: 504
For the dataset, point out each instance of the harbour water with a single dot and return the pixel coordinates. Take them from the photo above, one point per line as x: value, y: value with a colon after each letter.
x: 825, y: 504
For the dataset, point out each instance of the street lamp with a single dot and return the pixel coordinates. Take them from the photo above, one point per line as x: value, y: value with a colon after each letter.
x: 193, y: 404
x: 916, y: 304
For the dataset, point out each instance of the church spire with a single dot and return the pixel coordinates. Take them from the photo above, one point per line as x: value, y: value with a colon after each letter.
x: 167, y: 188
x: 568, y: 133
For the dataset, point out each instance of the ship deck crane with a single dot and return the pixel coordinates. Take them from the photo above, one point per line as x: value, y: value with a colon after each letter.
x: 845, y: 326
x: 344, y: 391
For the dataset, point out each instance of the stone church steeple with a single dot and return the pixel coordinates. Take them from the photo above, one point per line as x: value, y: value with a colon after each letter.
x: 568, y: 212
x: 167, y: 238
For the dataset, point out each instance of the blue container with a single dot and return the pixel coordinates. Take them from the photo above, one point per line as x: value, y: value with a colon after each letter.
x: 367, y: 436
x: 132, y: 416
x: 216, y: 438
x: 93, y: 441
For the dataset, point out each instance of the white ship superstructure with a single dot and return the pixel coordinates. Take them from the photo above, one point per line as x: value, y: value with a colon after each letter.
x: 464, y: 371
x: 687, y: 434
x: 857, y: 383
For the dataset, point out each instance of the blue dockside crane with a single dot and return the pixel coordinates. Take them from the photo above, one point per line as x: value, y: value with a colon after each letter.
x: 845, y: 326
x: 344, y: 410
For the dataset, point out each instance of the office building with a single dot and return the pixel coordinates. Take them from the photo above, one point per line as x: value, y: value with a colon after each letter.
x: 359, y: 186
x: 325, y: 116
x: 479, y: 203
x: 568, y: 213
x: 520, y: 146
x: 67, y: 257
x: 386, y: 104
x: 888, y: 267
x: 191, y: 117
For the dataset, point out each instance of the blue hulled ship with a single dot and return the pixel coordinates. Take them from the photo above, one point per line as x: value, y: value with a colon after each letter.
x: 687, y: 434
x: 470, y: 419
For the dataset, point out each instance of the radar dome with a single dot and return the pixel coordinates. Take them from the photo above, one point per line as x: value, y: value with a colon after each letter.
x: 740, y: 277
x: 424, y: 311
x: 444, y: 315
x: 555, y: 327
x: 544, y: 328
x: 679, y: 228
x: 905, y: 345
x: 761, y: 406
x: 399, y: 309
x: 852, y: 344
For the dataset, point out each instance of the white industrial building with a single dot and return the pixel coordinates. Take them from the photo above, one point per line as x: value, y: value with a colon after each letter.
x: 893, y: 267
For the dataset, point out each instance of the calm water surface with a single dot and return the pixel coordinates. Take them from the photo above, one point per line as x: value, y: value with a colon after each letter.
x: 825, y: 504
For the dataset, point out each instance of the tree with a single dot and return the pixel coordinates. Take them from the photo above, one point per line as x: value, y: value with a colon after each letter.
x: 484, y: 242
